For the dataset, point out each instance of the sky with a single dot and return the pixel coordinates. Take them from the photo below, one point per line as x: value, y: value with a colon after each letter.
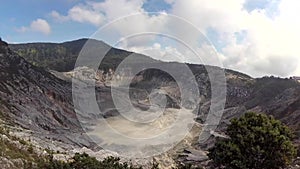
x: 257, y: 37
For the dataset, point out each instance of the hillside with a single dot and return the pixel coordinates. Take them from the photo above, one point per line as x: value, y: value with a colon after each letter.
x: 243, y: 90
x: 34, y: 99
x: 62, y: 56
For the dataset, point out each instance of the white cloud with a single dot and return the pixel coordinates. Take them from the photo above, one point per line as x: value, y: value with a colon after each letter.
x: 58, y: 17
x: 114, y: 9
x: 97, y: 12
x: 158, y: 52
x: 268, y: 44
x: 82, y: 14
x: 169, y: 1
x: 38, y: 25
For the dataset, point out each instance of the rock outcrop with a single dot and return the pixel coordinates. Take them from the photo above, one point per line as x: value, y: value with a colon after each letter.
x: 36, y: 99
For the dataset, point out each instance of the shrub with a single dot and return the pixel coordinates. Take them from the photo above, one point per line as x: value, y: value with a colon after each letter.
x: 256, y: 141
x: 84, y: 161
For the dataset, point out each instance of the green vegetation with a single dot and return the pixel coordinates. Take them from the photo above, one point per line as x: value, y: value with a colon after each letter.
x: 267, y: 88
x: 10, y: 149
x: 62, y: 56
x: 31, y: 160
x: 256, y: 141
x: 49, y: 56
x: 14, y: 148
x: 84, y: 161
x: 187, y: 166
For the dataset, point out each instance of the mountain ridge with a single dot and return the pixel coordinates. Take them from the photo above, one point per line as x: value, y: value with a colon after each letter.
x: 37, y: 100
x: 78, y: 45
x: 239, y: 85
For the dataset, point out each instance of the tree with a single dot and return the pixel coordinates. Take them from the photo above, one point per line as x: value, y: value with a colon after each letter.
x: 256, y: 141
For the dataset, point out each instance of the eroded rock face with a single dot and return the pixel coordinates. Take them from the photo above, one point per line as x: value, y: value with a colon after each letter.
x: 37, y: 100
x: 34, y: 98
x: 242, y: 91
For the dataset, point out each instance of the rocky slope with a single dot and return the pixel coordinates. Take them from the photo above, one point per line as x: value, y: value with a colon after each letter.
x: 37, y: 100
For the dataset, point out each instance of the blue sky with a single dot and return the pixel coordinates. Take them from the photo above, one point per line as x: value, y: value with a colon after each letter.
x: 258, y: 37
x: 18, y: 13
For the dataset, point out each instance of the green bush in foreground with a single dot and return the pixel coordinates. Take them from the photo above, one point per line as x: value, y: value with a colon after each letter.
x: 84, y: 161
x: 256, y: 141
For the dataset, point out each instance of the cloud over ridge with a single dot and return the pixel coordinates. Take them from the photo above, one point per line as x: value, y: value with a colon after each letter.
x: 256, y: 38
